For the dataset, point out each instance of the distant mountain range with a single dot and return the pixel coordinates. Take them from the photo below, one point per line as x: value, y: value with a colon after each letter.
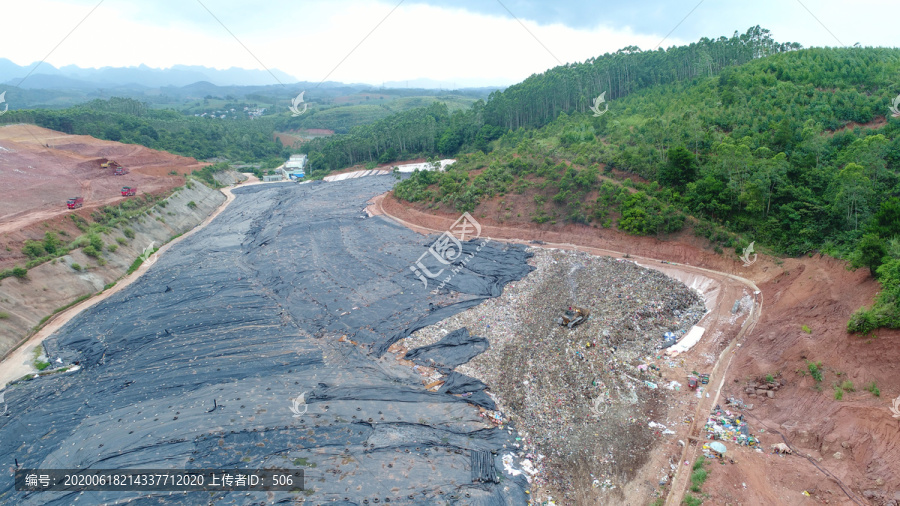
x: 46, y: 76
x: 43, y: 86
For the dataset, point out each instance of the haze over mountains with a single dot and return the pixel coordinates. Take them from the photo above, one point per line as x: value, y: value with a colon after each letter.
x: 71, y: 76
x: 43, y: 86
x: 46, y: 76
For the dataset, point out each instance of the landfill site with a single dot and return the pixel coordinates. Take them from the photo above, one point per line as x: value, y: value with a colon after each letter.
x: 580, y: 397
x: 395, y: 359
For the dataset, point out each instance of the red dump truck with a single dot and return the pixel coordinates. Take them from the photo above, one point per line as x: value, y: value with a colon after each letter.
x: 75, y: 202
x: 128, y: 191
x: 120, y: 171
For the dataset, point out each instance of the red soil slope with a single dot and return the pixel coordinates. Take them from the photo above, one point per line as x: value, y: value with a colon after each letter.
x: 42, y: 168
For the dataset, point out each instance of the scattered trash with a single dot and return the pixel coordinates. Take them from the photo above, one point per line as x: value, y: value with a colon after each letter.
x: 674, y: 385
x: 738, y: 403
x: 725, y: 426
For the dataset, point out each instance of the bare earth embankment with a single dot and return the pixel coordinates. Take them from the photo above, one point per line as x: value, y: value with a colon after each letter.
x: 42, y: 168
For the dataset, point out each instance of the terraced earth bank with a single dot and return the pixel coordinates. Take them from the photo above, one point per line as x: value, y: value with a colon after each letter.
x: 288, y: 299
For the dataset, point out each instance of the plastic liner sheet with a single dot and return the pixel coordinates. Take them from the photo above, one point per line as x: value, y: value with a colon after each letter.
x: 469, y: 388
x: 456, y: 348
x: 260, y: 341
x: 483, y: 470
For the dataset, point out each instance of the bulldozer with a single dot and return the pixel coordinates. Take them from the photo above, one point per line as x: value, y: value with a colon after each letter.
x: 573, y: 316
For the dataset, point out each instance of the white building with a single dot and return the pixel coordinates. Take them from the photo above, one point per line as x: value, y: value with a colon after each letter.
x: 295, y: 162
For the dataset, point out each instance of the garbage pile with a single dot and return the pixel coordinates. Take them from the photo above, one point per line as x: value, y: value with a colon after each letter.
x: 578, y: 396
x: 723, y: 425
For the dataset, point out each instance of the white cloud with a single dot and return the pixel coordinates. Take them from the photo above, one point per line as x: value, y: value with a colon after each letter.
x: 307, y: 41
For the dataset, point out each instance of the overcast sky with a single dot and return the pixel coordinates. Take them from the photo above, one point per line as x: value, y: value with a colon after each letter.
x: 467, y: 42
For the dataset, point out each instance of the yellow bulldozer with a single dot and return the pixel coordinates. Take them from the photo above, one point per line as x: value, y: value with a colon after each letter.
x: 573, y: 316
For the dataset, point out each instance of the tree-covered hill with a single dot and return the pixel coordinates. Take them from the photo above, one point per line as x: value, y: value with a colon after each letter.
x: 540, y: 99
x: 797, y: 151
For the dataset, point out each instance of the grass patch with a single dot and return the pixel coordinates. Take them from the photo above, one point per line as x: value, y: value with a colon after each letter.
x: 873, y: 389
x: 39, y: 364
x: 77, y: 267
x: 4, y: 315
x: 838, y: 393
x: 815, y: 370
x: 34, y: 262
x: 304, y: 462
x: 122, y: 241
x: 804, y: 328
x: 847, y: 386
x: 690, y: 500
x: 770, y: 378
x: 17, y: 271
x: 699, y: 474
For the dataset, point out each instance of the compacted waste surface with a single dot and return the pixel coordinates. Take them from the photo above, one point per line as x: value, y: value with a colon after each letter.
x: 259, y: 342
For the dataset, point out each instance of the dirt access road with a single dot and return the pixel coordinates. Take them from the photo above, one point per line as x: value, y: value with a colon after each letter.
x: 723, y: 331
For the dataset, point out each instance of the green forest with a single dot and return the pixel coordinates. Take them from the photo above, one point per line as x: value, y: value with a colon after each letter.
x: 131, y: 121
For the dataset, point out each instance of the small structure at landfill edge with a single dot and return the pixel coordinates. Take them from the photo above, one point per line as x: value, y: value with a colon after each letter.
x: 573, y: 316
x: 718, y: 447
